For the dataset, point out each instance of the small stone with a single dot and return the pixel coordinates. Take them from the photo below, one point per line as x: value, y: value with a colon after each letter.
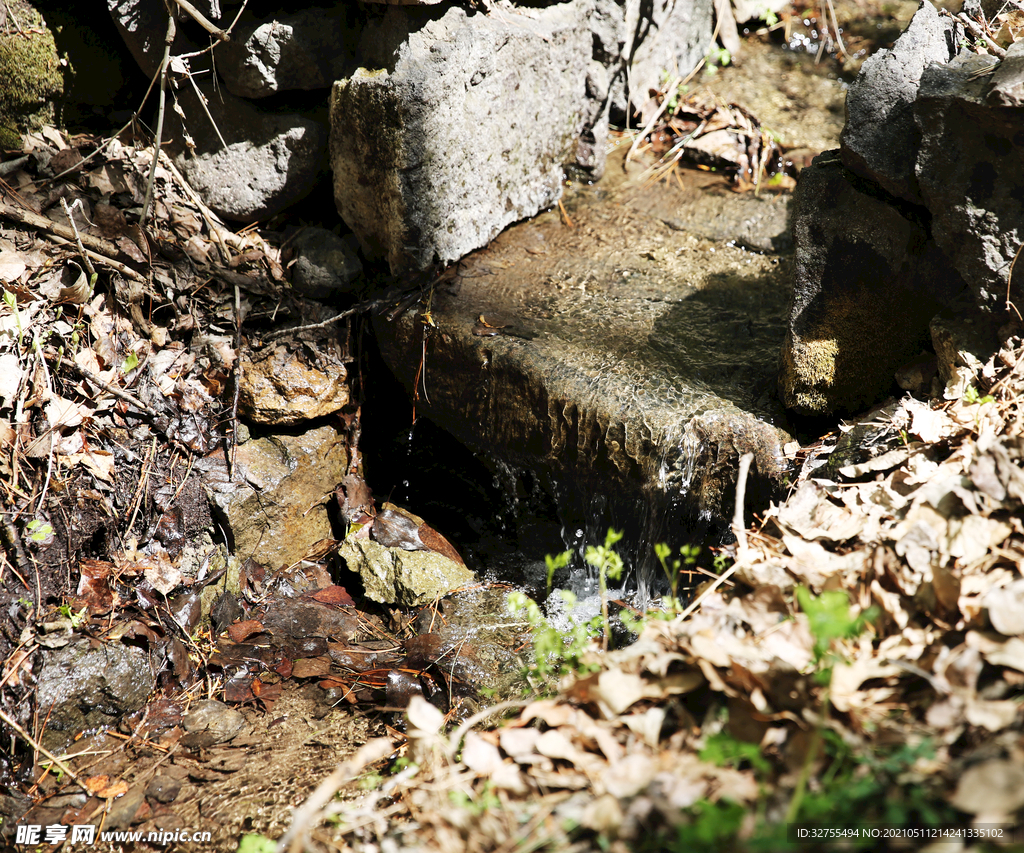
x: 282, y: 387
x: 163, y: 789
x: 406, y: 578
x: 210, y: 722
x: 326, y: 265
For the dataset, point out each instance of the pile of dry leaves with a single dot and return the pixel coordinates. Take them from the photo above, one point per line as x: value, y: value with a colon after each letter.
x: 774, y: 701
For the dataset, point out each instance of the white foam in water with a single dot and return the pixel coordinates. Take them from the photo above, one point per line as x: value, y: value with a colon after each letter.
x: 564, y: 619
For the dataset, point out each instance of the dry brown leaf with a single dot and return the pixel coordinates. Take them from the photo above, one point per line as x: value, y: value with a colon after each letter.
x: 62, y: 413
x: 11, y: 377
x: 810, y: 513
x: 993, y: 788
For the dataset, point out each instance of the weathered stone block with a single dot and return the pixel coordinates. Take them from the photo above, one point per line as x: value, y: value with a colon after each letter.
x: 279, y: 485
x: 306, y: 49
x: 640, y: 43
x: 970, y: 172
x: 458, y: 125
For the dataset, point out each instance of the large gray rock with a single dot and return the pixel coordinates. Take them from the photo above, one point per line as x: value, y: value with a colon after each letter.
x: 454, y: 128
x: 307, y: 49
x: 970, y: 171
x: 639, y: 43
x: 270, y: 160
x: 255, y: 162
x: 866, y: 282
x: 880, y: 138
x: 625, y: 356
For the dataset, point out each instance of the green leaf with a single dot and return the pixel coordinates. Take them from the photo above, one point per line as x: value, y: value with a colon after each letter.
x: 256, y: 844
x: 130, y: 363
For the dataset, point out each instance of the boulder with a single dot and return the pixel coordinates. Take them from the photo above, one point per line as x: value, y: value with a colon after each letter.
x: 970, y: 172
x: 452, y: 129
x: 930, y: 204
x: 880, y: 139
x: 867, y: 280
x: 301, y: 50
x: 247, y: 163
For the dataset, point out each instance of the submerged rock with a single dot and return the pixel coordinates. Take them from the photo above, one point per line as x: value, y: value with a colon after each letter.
x: 623, y: 355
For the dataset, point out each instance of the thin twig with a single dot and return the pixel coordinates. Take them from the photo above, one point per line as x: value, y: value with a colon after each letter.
x: 164, y: 65
x: 99, y: 246
x: 124, y: 269
x: 10, y: 13
x: 78, y: 241
x: 202, y: 103
x: 202, y: 20
x: 977, y: 30
x: 280, y: 333
x: 738, y: 529
x: 369, y: 753
x: 111, y: 389
x: 211, y: 219
x: 233, y: 439
x: 38, y: 747
x: 49, y: 455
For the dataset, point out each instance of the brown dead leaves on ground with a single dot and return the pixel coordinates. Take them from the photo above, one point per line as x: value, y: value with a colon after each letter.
x: 918, y: 520
x: 117, y: 347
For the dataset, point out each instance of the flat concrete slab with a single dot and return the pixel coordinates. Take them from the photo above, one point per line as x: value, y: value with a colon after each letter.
x: 609, y: 347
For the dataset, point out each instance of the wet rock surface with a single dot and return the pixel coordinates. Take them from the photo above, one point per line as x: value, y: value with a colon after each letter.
x: 404, y: 577
x: 621, y: 352
x: 88, y: 687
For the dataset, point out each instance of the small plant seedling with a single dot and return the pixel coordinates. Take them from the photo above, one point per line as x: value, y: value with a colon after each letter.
x: 971, y: 396
x: 39, y: 531
x: 130, y: 362
x: 554, y: 563
x: 609, y: 565
x: 830, y: 618
x: 555, y: 653
x: 75, y: 618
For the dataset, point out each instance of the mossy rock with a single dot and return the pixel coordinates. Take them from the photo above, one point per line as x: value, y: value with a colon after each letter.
x: 31, y: 78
